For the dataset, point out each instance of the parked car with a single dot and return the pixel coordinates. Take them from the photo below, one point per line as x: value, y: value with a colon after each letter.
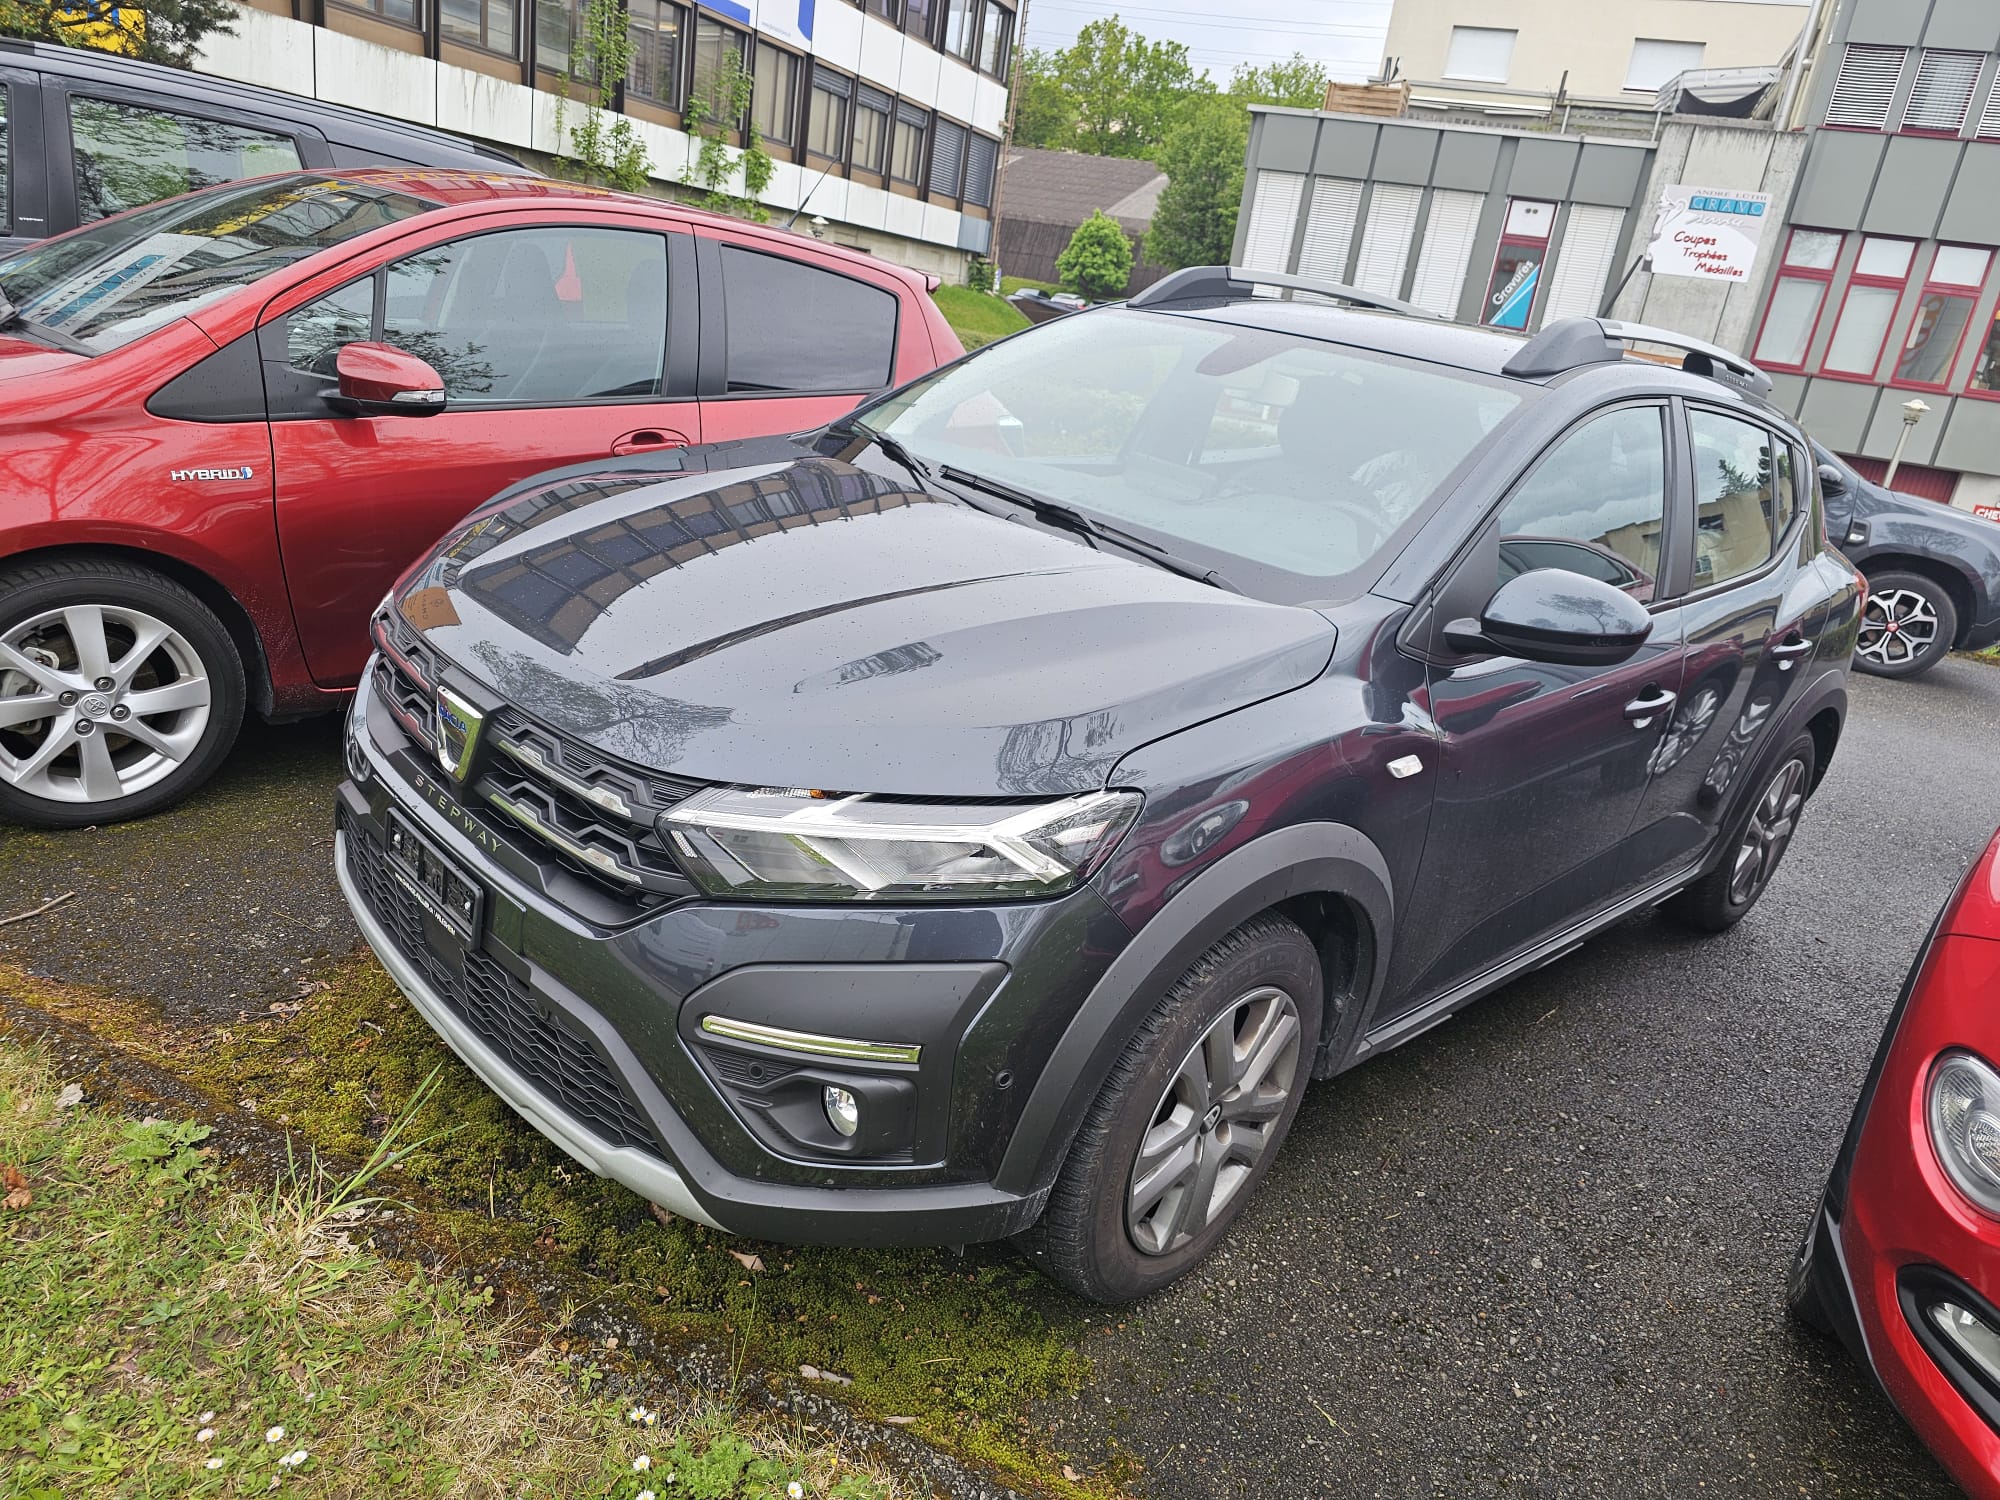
x: 1933, y: 572
x: 981, y: 817
x: 1902, y: 1260
x: 228, y: 421
x: 85, y: 134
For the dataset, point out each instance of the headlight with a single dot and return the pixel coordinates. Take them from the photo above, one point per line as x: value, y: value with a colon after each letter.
x: 357, y: 725
x: 1965, y: 1126
x: 810, y: 846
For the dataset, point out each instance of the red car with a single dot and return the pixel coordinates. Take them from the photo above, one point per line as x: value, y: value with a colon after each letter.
x: 228, y: 421
x: 1903, y: 1258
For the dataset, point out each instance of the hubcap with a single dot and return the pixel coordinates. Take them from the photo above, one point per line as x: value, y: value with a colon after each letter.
x: 97, y: 702
x: 1771, y: 827
x: 1898, y: 626
x: 1214, y: 1122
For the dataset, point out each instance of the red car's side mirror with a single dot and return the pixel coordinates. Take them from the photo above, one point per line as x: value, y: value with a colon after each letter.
x: 380, y: 380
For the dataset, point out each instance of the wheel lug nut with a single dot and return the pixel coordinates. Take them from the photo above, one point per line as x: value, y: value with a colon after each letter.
x: 66, y: 699
x: 121, y: 713
x: 105, y: 684
x: 85, y: 727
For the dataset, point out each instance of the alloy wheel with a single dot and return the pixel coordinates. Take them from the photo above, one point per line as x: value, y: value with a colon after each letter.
x: 1214, y: 1122
x: 1898, y: 626
x: 1772, y: 823
x: 97, y: 702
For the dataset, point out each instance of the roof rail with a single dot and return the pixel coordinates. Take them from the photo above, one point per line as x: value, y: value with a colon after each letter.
x: 1576, y: 342
x: 1208, y: 286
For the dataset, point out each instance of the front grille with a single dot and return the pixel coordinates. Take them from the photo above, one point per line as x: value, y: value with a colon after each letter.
x: 550, y: 1051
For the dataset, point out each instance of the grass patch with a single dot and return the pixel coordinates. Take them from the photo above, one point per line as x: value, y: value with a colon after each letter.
x: 168, y: 1334
x: 959, y: 1346
x: 1011, y: 284
x: 977, y: 317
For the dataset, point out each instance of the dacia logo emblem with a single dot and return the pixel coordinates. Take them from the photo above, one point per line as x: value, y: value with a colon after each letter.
x: 458, y: 726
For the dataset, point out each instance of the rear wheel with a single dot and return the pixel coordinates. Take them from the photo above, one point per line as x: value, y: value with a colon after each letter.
x: 1189, y: 1120
x: 1724, y: 896
x: 120, y: 693
x: 1908, y: 626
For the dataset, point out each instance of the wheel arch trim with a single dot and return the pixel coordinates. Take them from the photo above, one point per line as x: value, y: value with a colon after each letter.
x: 1304, y: 859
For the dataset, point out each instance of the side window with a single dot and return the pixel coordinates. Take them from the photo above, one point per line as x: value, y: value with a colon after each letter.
x: 794, y: 327
x: 535, y: 316
x: 314, y: 334
x: 1597, y: 505
x: 1794, y: 491
x: 1735, y: 494
x: 6, y: 180
x: 126, y: 156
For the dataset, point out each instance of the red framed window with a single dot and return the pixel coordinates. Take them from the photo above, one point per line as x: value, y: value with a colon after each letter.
x: 1804, y: 276
x: 1944, y: 313
x: 1881, y: 272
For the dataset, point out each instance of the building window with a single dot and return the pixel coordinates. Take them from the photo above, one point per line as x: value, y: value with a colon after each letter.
x: 947, y: 158
x: 906, y: 159
x: 1480, y: 54
x: 919, y: 16
x: 555, y: 25
x: 774, y: 95
x: 996, y: 40
x: 654, y: 71
x: 486, y: 24
x: 1804, y: 275
x: 1872, y: 294
x: 1941, y: 97
x: 408, y: 13
x: 1944, y: 312
x: 713, y: 43
x: 961, y: 28
x: 1517, y: 266
x: 1866, y: 87
x: 1986, y: 369
x: 826, y: 123
x: 871, y: 129
x: 1655, y: 63
x: 889, y: 10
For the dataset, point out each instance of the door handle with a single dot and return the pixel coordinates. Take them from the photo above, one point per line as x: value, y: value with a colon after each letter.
x: 648, y: 438
x: 1644, y: 709
x: 1790, y: 649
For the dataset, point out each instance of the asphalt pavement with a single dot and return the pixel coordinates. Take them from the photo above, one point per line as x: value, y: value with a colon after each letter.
x: 1538, y: 1252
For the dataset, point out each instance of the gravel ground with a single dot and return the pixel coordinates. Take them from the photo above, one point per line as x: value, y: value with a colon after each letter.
x: 1538, y: 1252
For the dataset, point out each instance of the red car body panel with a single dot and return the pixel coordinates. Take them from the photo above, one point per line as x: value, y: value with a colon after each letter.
x: 1900, y: 1208
x: 334, y: 509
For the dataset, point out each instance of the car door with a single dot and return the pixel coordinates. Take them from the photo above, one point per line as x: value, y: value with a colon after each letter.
x: 789, y: 345
x: 1751, y: 618
x: 552, y: 341
x: 1541, y: 768
x: 23, y: 172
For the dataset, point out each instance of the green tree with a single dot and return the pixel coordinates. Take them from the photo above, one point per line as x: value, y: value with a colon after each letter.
x: 1044, y: 115
x: 1098, y: 260
x: 597, y: 148
x: 1126, y: 92
x: 1195, y: 222
x: 161, y: 31
x: 710, y: 115
x: 1297, y: 83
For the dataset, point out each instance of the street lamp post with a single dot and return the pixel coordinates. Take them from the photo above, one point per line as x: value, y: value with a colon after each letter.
x: 1913, y: 413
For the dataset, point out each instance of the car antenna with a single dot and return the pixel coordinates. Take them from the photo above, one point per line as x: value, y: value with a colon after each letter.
x: 807, y: 199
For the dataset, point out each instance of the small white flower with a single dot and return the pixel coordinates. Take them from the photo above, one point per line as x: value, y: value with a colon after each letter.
x: 293, y: 1459
x: 213, y: 1463
x: 642, y: 1463
x: 643, y: 1495
x: 650, y: 1418
x: 636, y: 1414
x: 207, y: 1434
x: 205, y: 1418
x: 796, y: 1490
x: 275, y: 1435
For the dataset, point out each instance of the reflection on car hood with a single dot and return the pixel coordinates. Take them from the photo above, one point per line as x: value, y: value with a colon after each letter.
x: 801, y: 621
x: 21, y: 357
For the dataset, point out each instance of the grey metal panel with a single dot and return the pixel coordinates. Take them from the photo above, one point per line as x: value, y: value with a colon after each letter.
x: 1346, y: 147
x: 1610, y: 175
x: 1838, y: 177
x: 1912, y: 187
x: 1286, y: 143
x: 1970, y: 25
x: 1896, y: 22
x: 1404, y: 154
x: 1888, y: 426
x: 975, y: 235
x: 1970, y: 437
x: 1973, y: 214
x: 1837, y: 412
x: 1485, y: 245
x: 1467, y: 162
x: 1542, y: 168
x: 1788, y: 392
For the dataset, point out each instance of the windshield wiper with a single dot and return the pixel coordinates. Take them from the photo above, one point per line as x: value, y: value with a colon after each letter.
x: 1055, y: 513
x: 10, y: 317
x: 891, y: 446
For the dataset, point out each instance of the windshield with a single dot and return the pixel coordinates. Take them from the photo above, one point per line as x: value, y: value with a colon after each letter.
x: 106, y: 285
x: 1298, y: 456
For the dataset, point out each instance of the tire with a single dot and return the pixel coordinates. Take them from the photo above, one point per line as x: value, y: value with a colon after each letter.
x: 142, y: 744
x: 1908, y: 627
x: 1260, y: 981
x: 1724, y: 896
x: 1802, y: 1293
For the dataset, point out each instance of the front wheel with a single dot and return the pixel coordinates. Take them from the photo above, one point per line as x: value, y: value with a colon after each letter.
x: 1907, y: 628
x: 1724, y: 896
x: 120, y: 692
x: 1189, y: 1120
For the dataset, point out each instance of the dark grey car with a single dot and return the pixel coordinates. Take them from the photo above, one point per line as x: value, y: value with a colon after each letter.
x: 982, y: 817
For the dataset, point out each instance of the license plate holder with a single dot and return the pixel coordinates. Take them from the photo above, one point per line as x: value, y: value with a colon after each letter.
x: 452, y: 899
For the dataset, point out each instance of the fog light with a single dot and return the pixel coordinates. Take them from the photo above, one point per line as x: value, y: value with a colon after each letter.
x: 843, y: 1110
x: 1970, y: 1334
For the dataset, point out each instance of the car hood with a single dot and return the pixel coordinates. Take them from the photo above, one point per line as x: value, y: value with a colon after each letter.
x: 802, y: 621
x: 22, y: 356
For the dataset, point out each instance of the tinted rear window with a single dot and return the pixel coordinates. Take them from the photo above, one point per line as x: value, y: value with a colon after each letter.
x: 794, y: 327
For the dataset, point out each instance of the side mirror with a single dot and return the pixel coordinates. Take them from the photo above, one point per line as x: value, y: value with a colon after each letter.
x: 1832, y: 480
x: 380, y: 380
x: 1555, y: 616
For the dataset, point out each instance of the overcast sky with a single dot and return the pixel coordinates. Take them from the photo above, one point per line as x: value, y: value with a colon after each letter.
x: 1345, y: 35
